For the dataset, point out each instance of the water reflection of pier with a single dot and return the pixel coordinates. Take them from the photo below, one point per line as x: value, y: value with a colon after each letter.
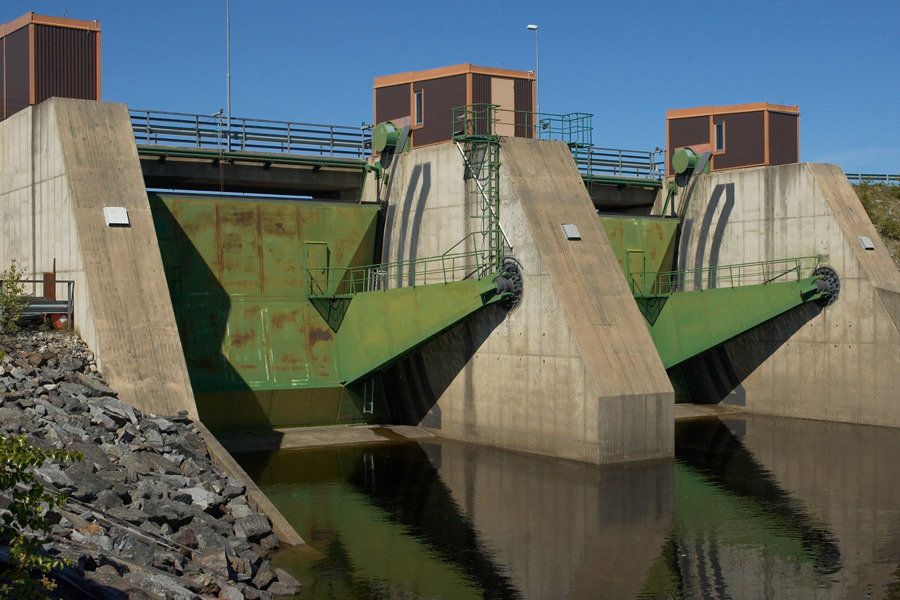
x: 751, y: 507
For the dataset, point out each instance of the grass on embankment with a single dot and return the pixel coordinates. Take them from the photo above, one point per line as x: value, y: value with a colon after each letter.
x: 882, y: 203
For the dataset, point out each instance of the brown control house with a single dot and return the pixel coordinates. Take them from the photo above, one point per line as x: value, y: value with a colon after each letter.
x: 41, y: 57
x: 426, y: 99
x: 740, y: 135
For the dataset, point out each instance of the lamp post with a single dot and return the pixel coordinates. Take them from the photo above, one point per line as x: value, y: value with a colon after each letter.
x: 537, y: 87
x: 228, y: 71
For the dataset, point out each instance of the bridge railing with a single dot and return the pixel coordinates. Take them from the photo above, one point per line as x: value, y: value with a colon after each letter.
x: 620, y: 163
x: 664, y: 283
x: 873, y: 178
x: 153, y: 127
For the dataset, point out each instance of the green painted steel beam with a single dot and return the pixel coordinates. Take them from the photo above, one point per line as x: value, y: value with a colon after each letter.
x: 623, y: 181
x: 686, y: 324
x: 380, y: 327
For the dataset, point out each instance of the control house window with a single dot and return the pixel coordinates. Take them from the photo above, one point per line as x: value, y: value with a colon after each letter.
x: 419, y: 114
x: 720, y: 136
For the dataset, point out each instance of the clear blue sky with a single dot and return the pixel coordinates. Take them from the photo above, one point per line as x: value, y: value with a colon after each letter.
x: 625, y: 62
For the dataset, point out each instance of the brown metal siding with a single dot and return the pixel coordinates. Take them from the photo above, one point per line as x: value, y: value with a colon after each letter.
x: 440, y: 97
x: 745, y: 142
x: 392, y: 102
x: 783, y: 135
x: 686, y: 132
x: 18, y: 79
x: 65, y: 63
x: 524, y: 109
x: 481, y: 94
x: 2, y: 79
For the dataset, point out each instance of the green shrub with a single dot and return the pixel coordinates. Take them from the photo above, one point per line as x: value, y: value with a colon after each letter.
x: 24, y: 526
x: 12, y: 298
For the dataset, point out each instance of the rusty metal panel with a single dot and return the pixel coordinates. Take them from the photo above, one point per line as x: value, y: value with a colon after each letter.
x: 245, y: 321
x: 237, y: 229
x: 744, y: 140
x: 17, y: 85
x: 783, y: 138
x: 440, y: 96
x: 686, y: 132
x: 65, y: 63
x: 282, y: 265
x: 392, y: 102
x: 524, y: 108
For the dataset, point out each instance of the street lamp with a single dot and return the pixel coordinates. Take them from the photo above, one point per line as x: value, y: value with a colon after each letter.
x: 537, y: 87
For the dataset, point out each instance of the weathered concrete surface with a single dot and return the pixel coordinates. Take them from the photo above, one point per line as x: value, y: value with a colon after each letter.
x: 61, y: 163
x: 839, y: 363
x: 572, y: 371
x: 270, y: 440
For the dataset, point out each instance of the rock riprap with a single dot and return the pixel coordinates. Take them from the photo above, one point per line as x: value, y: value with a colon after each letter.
x: 149, y: 515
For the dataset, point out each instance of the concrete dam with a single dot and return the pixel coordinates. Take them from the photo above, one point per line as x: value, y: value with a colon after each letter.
x: 467, y: 287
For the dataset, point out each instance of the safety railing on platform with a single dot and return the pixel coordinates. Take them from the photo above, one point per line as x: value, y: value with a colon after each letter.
x: 489, y: 120
x: 48, y: 304
x: 592, y: 161
x: 153, y: 127
x: 330, y: 282
x: 665, y: 283
x: 873, y: 178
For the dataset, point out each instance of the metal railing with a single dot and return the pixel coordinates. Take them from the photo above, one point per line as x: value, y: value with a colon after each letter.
x: 873, y: 178
x: 665, y: 283
x: 46, y: 306
x: 330, y: 282
x: 153, y: 127
x: 489, y: 120
x: 593, y: 161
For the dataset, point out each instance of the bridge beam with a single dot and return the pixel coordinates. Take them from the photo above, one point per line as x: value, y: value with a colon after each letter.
x: 321, y: 178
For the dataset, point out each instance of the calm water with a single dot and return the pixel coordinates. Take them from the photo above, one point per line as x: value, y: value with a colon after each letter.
x: 750, y: 508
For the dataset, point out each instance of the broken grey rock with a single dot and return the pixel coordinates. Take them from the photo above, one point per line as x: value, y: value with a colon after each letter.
x: 161, y: 586
x: 203, y: 498
x: 253, y: 527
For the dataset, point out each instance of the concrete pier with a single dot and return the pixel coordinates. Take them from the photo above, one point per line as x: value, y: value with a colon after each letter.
x: 838, y: 363
x: 61, y: 163
x: 572, y: 371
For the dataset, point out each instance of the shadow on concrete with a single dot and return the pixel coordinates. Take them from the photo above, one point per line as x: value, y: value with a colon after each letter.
x: 716, y: 375
x: 413, y: 385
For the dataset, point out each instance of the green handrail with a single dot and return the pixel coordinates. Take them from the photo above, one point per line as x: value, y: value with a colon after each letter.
x: 482, y: 121
x: 666, y: 283
x: 331, y: 282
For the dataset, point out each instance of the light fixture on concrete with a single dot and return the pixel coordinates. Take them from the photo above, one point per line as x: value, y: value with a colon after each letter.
x: 116, y: 216
x: 570, y: 231
x: 866, y: 243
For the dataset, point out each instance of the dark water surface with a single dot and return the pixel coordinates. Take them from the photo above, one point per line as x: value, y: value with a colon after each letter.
x: 751, y: 507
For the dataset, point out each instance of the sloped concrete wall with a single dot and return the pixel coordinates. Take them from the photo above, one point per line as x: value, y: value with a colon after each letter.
x: 838, y: 363
x: 572, y: 371
x: 61, y: 162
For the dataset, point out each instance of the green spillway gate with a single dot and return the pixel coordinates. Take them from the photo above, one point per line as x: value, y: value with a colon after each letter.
x: 260, y: 351
x: 690, y: 311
